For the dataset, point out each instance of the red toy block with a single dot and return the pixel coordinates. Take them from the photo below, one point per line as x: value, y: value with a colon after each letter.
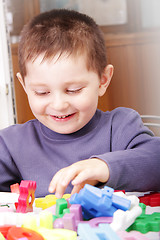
x: 4, y: 229
x: 23, y: 233
x: 26, y: 197
x: 15, y: 188
x: 152, y: 199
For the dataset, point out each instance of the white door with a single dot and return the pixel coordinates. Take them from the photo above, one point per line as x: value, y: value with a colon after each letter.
x: 6, y: 103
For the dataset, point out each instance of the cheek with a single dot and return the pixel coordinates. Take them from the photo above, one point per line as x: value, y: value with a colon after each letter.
x: 88, y: 102
x: 36, y: 106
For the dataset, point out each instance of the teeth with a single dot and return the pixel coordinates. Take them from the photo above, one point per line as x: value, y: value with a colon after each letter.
x: 61, y: 117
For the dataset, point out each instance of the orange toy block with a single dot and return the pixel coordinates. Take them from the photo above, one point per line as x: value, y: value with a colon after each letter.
x: 15, y: 188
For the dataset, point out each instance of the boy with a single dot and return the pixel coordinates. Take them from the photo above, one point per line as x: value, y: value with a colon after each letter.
x: 63, y: 70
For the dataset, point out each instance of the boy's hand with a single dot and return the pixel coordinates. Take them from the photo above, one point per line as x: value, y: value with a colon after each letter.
x: 89, y: 171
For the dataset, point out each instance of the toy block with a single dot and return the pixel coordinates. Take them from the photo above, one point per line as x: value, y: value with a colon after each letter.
x: 4, y: 230
x: 15, y: 188
x: 131, y: 235
x: 26, y: 197
x: 30, y: 221
x: 46, y: 220
x: 152, y: 199
x: 20, y: 233
x: 70, y: 220
x: 94, y: 222
x: 123, y: 219
x: 61, y: 207
x: 58, y: 234
x: 103, y: 232
x: 48, y: 201
x: 146, y: 222
x: 97, y: 202
x: 2, y: 237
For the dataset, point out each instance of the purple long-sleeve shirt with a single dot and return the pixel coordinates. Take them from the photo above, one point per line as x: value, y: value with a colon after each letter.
x: 31, y: 151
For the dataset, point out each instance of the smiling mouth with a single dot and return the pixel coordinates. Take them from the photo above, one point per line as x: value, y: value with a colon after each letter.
x: 63, y: 117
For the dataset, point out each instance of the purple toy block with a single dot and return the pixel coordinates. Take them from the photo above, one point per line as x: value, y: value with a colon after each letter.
x: 77, y: 210
x: 69, y: 221
x: 58, y: 223
x: 94, y: 222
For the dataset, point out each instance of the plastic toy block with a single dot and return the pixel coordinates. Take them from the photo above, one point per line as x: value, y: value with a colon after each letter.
x: 152, y: 199
x: 123, y: 219
x: 103, y: 232
x: 2, y: 237
x: 146, y: 222
x: 8, y: 198
x: 19, y: 233
x: 131, y: 235
x: 26, y: 197
x: 15, y: 188
x: 61, y: 207
x: 58, y: 234
x: 70, y: 220
x: 46, y: 220
x: 30, y: 222
x: 97, y: 202
x: 94, y: 222
x: 4, y: 230
x: 48, y: 201
x: 45, y: 202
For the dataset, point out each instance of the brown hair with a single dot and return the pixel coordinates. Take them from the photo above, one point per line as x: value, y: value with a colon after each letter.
x: 62, y: 31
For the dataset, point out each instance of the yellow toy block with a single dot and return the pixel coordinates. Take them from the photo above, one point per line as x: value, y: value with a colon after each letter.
x: 57, y: 234
x: 1, y: 236
x: 46, y: 220
x: 48, y: 201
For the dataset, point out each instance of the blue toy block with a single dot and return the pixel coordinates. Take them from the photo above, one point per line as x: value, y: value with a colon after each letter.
x: 117, y: 201
x: 102, y: 232
x: 98, y: 202
x: 94, y: 202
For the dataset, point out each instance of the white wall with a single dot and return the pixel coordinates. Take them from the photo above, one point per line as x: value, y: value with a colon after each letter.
x: 6, y: 106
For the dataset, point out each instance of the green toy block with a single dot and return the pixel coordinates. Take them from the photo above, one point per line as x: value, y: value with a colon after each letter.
x: 61, y: 207
x: 146, y: 222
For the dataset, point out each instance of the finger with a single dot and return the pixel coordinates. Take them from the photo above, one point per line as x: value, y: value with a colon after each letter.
x: 83, y: 176
x: 77, y: 188
x: 57, y: 178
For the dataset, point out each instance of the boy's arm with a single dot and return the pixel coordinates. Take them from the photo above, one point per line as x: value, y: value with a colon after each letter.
x: 132, y: 164
x: 8, y: 170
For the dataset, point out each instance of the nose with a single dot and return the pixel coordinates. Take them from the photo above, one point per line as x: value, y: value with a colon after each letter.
x: 59, y: 102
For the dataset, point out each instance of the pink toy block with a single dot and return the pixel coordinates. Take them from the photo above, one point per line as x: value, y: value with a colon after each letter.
x: 131, y: 236
x: 26, y: 198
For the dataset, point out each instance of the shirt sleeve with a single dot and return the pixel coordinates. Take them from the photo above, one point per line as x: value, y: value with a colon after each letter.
x: 9, y: 173
x: 134, y: 159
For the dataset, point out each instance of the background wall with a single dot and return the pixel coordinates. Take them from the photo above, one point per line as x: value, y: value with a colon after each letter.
x: 133, y: 47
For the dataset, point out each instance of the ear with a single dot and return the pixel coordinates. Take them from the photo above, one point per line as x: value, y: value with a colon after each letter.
x: 21, y: 80
x: 105, y: 79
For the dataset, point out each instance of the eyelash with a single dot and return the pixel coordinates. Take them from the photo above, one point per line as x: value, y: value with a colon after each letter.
x: 68, y: 91
x: 41, y: 93
x: 74, y: 90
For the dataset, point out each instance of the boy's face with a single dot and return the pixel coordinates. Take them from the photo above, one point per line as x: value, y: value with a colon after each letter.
x: 63, y: 94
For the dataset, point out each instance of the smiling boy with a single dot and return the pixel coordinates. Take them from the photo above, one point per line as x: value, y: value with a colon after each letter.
x: 64, y: 71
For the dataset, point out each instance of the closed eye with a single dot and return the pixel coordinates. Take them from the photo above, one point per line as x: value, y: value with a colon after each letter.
x: 72, y: 91
x: 41, y: 93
